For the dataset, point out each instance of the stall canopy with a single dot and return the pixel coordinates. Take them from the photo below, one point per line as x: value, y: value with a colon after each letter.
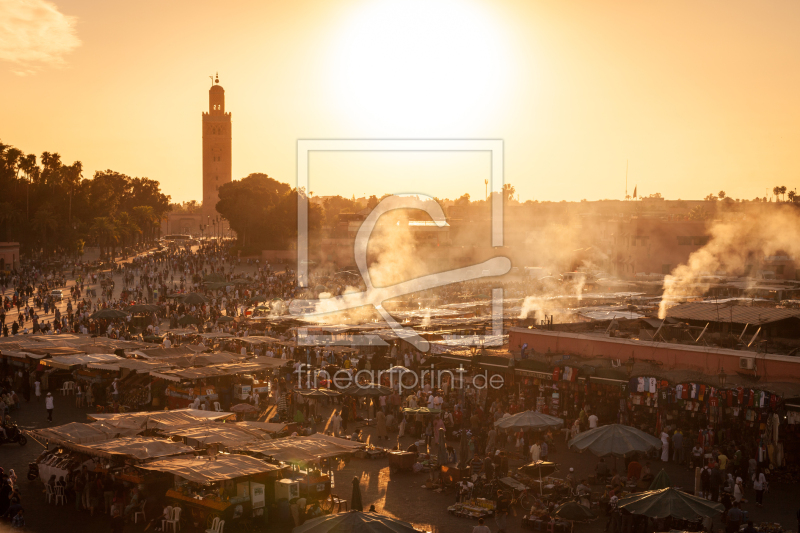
x: 266, y: 427
x: 355, y: 522
x: 297, y: 449
x: 68, y: 362
x: 202, y: 470
x: 670, y: 502
x: 141, y: 448
x: 135, y: 365
x: 155, y: 419
x: 21, y: 355
x: 211, y: 371
x: 163, y: 353
x: 215, y: 433
x: 76, y: 433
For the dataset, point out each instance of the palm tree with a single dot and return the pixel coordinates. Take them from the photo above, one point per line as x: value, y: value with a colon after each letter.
x: 30, y: 168
x: 43, y: 222
x: 721, y: 195
x: 126, y: 228
x: 9, y: 217
x: 104, y: 231
x: 792, y: 195
x: 147, y: 219
x: 782, y: 190
x: 776, y: 191
x: 508, y: 192
x: 72, y: 175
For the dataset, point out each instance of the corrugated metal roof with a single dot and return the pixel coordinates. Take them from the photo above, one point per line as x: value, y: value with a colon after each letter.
x: 738, y: 314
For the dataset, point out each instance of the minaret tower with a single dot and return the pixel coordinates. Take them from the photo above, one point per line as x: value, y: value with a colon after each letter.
x: 216, y: 147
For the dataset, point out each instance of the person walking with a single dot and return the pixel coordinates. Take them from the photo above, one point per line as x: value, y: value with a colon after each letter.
x: 759, y: 485
x: 48, y: 404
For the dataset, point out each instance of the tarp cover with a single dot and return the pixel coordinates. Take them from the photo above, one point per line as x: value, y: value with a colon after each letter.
x: 157, y: 419
x: 74, y: 432
x: 297, y: 449
x: 216, y: 433
x: 202, y: 470
x: 670, y: 502
x: 141, y: 448
x: 136, y: 365
x: 355, y: 522
x: 68, y: 361
x: 266, y: 427
x: 615, y: 439
x: 530, y: 420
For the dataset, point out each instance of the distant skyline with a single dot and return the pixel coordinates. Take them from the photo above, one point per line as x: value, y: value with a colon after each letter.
x: 697, y: 98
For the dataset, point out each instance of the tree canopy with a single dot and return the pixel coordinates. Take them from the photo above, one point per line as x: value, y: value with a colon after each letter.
x: 263, y: 211
x: 48, y: 205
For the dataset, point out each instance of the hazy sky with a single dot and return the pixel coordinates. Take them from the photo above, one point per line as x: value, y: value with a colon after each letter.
x: 698, y: 96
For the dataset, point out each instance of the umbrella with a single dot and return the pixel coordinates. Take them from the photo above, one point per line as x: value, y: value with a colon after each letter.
x: 530, y: 420
x: 670, y: 502
x: 355, y: 521
x: 142, y: 308
x: 367, y: 389
x: 617, y: 440
x: 109, y: 313
x: 225, y: 318
x: 244, y: 408
x: 397, y: 370
x: 188, y: 319
x: 539, y: 469
x: 319, y: 393
x: 194, y: 298
x: 355, y: 501
x: 574, y: 512
x: 661, y: 481
x: 240, y: 281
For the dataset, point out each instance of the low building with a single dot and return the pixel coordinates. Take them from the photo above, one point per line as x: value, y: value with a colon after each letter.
x: 9, y: 256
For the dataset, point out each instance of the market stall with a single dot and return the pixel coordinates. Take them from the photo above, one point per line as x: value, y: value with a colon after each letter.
x: 309, y: 457
x: 228, y: 487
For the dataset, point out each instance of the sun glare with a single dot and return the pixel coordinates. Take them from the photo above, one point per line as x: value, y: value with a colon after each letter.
x: 419, y: 66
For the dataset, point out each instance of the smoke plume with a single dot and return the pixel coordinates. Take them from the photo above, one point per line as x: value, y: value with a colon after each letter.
x: 736, y: 241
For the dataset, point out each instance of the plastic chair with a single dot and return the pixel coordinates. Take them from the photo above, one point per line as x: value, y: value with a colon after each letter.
x: 202, y: 407
x: 167, y: 516
x: 221, y: 526
x: 175, y: 522
x: 139, y: 513
x: 217, y: 407
x: 60, y: 496
x: 214, y: 526
x: 65, y: 388
x: 48, y: 492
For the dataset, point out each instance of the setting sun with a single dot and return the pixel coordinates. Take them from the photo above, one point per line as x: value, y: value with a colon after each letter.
x: 415, y: 66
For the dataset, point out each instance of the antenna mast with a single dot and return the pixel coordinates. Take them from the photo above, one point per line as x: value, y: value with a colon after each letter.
x: 626, y: 179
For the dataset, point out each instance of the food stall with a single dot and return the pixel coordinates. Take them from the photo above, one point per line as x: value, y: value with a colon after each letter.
x: 228, y: 487
x: 306, y: 459
x: 188, y: 383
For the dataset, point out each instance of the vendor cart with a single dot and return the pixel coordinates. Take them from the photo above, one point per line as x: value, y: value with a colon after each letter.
x: 401, y: 461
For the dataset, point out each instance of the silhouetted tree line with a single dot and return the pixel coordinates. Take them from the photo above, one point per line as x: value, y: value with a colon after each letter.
x: 50, y: 208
